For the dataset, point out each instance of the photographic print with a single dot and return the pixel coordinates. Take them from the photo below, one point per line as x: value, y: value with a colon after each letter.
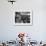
x: 23, y: 18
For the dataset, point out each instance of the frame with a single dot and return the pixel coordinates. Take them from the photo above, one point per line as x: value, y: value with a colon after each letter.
x: 23, y: 18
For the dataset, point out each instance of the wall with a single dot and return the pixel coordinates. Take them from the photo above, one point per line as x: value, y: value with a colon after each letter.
x: 9, y: 31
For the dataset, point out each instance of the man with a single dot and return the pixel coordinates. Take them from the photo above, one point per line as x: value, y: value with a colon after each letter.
x: 18, y: 18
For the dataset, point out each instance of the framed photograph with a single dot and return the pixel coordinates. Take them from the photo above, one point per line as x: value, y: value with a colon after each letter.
x: 23, y: 18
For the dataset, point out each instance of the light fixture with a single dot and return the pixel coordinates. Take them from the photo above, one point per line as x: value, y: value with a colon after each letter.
x: 12, y: 1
